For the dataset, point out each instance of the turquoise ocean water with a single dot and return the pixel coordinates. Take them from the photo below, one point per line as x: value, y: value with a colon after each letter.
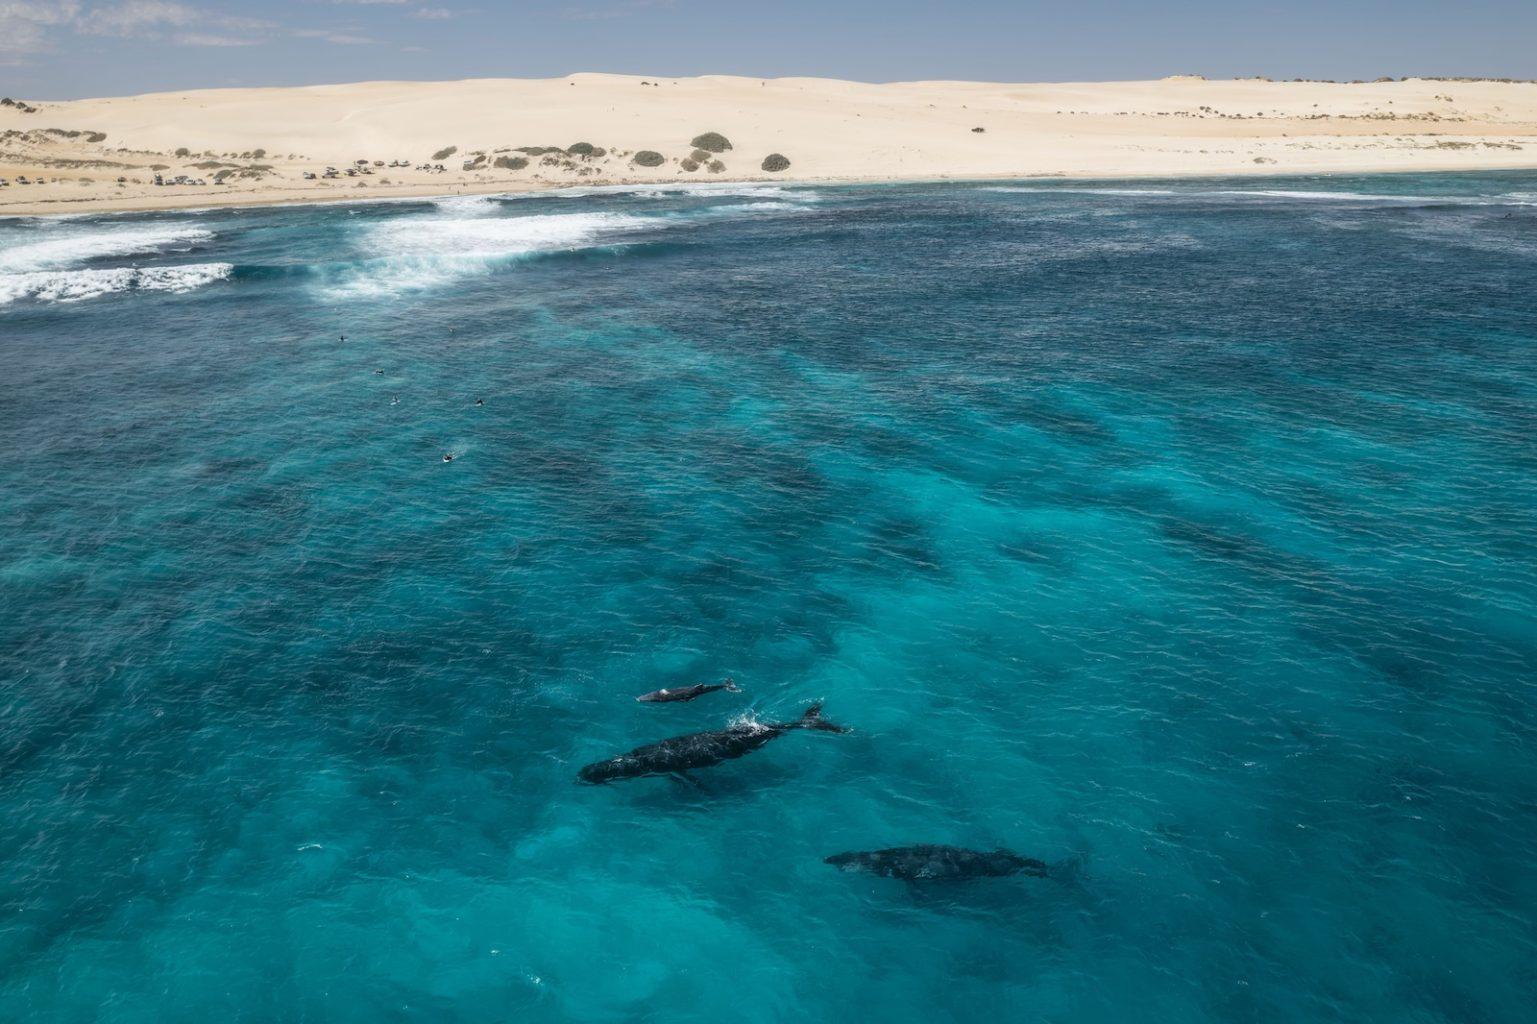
x: 1182, y: 535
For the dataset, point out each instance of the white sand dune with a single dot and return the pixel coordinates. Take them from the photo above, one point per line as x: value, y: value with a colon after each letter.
x: 829, y: 130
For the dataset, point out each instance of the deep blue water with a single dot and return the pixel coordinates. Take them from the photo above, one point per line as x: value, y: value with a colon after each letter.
x: 1181, y: 535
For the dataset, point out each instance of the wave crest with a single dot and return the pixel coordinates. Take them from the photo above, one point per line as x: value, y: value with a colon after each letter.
x: 410, y: 253
x: 75, y: 247
x: 75, y: 285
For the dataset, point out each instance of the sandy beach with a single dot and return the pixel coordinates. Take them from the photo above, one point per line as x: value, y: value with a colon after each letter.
x: 495, y: 135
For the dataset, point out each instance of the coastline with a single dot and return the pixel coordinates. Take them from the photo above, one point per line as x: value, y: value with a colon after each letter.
x: 269, y: 198
x: 99, y: 156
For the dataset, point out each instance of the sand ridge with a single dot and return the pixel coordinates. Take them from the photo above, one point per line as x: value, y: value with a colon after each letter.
x: 258, y: 144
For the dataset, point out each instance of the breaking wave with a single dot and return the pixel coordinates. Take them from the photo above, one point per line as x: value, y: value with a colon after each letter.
x: 76, y: 247
x: 410, y: 253
x: 1303, y: 195
x: 75, y: 285
x: 704, y: 190
x: 51, y: 264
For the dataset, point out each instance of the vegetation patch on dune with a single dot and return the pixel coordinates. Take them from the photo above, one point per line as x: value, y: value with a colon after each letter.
x: 775, y: 162
x: 711, y: 142
x: 445, y: 152
x: 649, y: 158
x: 511, y: 163
x: 690, y: 165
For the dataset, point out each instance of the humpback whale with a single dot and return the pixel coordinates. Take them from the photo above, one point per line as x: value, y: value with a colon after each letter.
x: 666, y: 696
x: 700, y: 749
x: 925, y: 862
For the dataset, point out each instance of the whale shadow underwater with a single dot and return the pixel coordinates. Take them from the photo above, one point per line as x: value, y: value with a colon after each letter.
x: 929, y: 862
x: 952, y: 880
x: 681, y: 754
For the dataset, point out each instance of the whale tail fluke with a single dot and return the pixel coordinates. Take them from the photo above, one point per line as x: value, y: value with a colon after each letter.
x: 1029, y: 865
x: 1068, y: 871
x: 812, y: 719
x: 731, y: 686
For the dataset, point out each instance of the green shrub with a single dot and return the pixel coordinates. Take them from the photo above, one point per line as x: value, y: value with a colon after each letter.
x: 184, y: 151
x: 716, y: 167
x: 257, y: 154
x: 711, y: 142
x: 445, y: 152
x: 699, y: 156
x: 511, y: 163
x: 690, y: 165
x: 581, y: 149
x: 96, y: 137
x: 539, y: 150
x: 649, y: 158
x: 775, y: 162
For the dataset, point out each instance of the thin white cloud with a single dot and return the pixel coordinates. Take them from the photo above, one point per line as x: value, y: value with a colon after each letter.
x: 433, y: 13
x: 623, y: 9
x: 209, y: 39
x: 24, y: 26
x: 136, y: 18
x: 335, y: 38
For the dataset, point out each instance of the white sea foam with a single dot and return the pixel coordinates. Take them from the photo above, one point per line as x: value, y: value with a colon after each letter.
x: 752, y: 191
x: 702, y: 190
x: 466, y: 236
x: 468, y: 206
x: 69, y: 246
x: 1502, y: 199
x: 749, y: 209
x: 1319, y: 195
x: 1303, y: 195
x: 408, y: 253
x: 1081, y: 191
x: 75, y: 285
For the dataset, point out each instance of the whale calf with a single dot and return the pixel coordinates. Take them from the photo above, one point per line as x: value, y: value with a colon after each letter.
x: 700, y: 749
x: 925, y: 862
x: 666, y: 696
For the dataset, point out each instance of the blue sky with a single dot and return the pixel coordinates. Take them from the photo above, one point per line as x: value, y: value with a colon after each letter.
x: 60, y: 49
